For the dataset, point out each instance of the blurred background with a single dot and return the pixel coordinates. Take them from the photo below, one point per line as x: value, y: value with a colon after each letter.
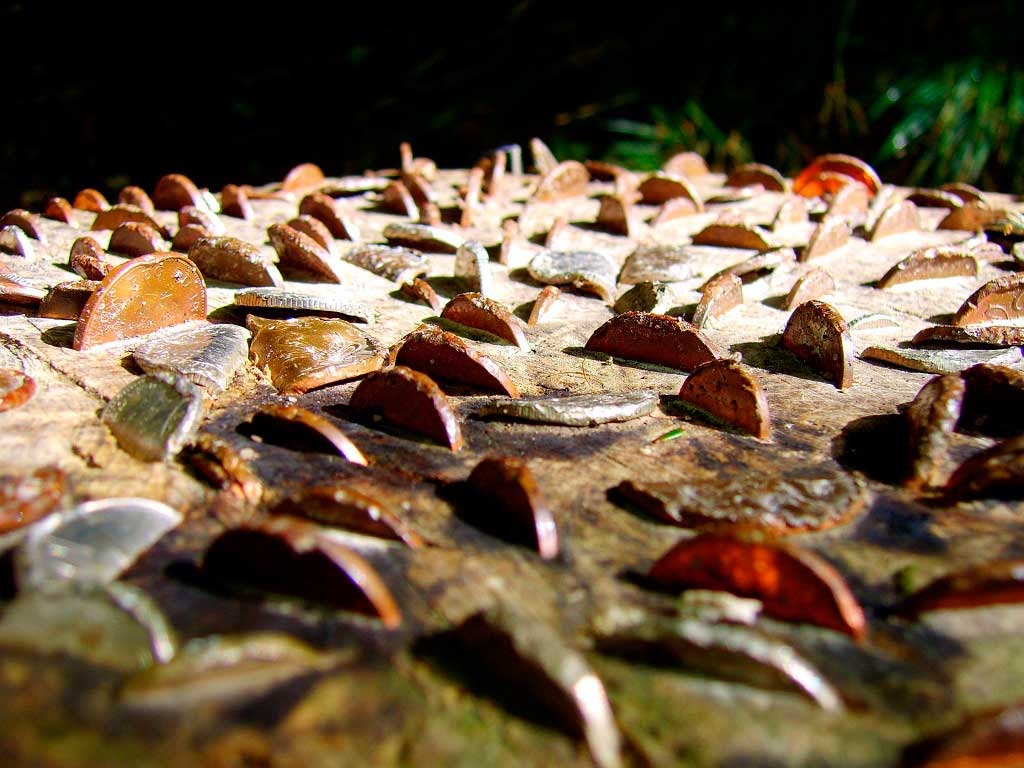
x: 106, y: 96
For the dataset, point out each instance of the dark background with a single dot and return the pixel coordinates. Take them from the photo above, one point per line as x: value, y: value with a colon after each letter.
x: 103, y: 96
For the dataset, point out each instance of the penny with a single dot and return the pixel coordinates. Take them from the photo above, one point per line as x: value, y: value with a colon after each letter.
x: 410, y: 400
x: 320, y: 425
x: 966, y: 192
x: 850, y: 201
x: 544, y: 305
x: 660, y: 187
x: 726, y: 235
x: 899, y: 217
x: 476, y: 311
x: 421, y: 290
x: 302, y: 176
x: 515, y: 507
x: 323, y: 208
x: 308, y: 352
x: 423, y: 237
x: 586, y: 271
x: 217, y: 460
x: 25, y: 221
x: 299, y: 251
x: 971, y: 217
x: 646, y: 297
x: 817, y: 334
x: 235, y: 202
x: 59, y: 209
x: 792, y: 583
x: 932, y: 418
x: 651, y: 338
x: 718, y: 296
x: 993, y: 403
x: 470, y: 202
x: 930, y: 264
x: 65, y: 301
x: 112, y: 218
x: 26, y: 498
x: 234, y: 261
x: 86, y: 259
x: 16, y: 388
x: 396, y: 199
x: 312, y: 298
x: 315, y: 229
x: 813, y: 285
x: 556, y: 233
x: 187, y: 236
x: 616, y: 216
x: 729, y: 392
x: 343, y: 507
x: 673, y: 209
x: 657, y: 263
x: 202, y: 217
x: 793, y: 210
x: 445, y: 357
x: 688, y: 164
x: 288, y: 556
x: 813, y: 180
x: 134, y: 239
x: 566, y: 180
x: 153, y: 417
x: 757, y: 266
x: 995, y: 583
x: 935, y: 198
x: 141, y: 296
x: 14, y: 240
x: 830, y: 235
x: 999, y: 299
x: 16, y: 290
x: 752, y: 174
x: 992, y: 335
x: 175, y: 191
x: 205, y: 354
x: 136, y: 196
x: 90, y: 200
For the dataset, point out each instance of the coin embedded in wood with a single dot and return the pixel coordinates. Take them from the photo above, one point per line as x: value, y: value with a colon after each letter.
x: 396, y: 199
x: 757, y: 266
x: 301, y: 252
x: 476, y: 311
x: 112, y: 218
x: 133, y: 239
x: 340, y: 506
x: 751, y: 174
x: 65, y: 301
x: 659, y: 188
x: 729, y: 392
x: 831, y: 234
x: 136, y: 196
x: 16, y: 388
x: 646, y: 297
x: 235, y: 202
x: 616, y: 215
x: 175, y: 191
x: 995, y: 583
x: 410, y: 400
x: 15, y: 290
x: 849, y: 202
x: 154, y: 417
x: 141, y: 296
x: 202, y: 217
x: 514, y: 504
x: 205, y: 354
x: 14, y: 240
x: 573, y: 410
x: 217, y: 460
x: 292, y: 557
x: 657, y: 263
x: 817, y: 334
x: 59, y: 209
x: 25, y: 221
x: 585, y: 271
x: 324, y: 209
x: 90, y: 200
x: 792, y: 583
x: 651, y: 338
x: 308, y: 352
x: 999, y: 299
x: 543, y: 158
x: 234, y: 261
x: 940, y: 360
x: 966, y: 192
x: 935, y: 198
x: 423, y: 237
x: 311, y: 298
x: 26, y: 498
x: 899, y: 217
x: 991, y: 335
x: 994, y: 401
x: 793, y: 210
x: 446, y: 357
x: 813, y: 285
x: 932, y: 418
x: 566, y: 180
x: 302, y: 176
x: 996, y: 472
x: 390, y: 262
x: 544, y: 305
x: 321, y: 425
x: 421, y: 290
x: 930, y: 264
x: 688, y: 164
x: 719, y: 295
x: 828, y: 173
x: 187, y: 236
x: 473, y: 267
x: 726, y: 235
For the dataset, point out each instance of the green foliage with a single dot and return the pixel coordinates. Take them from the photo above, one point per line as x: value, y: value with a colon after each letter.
x: 962, y: 122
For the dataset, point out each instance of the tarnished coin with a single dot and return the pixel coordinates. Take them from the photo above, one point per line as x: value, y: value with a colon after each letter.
x: 140, y: 296
x: 132, y: 195
x: 153, y: 417
x: 87, y: 259
x: 136, y: 239
x: 573, y: 410
x: 899, y: 217
x: 235, y: 261
x: 750, y: 174
x: 322, y: 426
x: 66, y: 300
x: 729, y: 392
x: 718, y: 296
x: 446, y: 357
x: 817, y: 334
x: 93, y: 543
x: 112, y: 218
x: 309, y: 352
x: 646, y: 297
x: 657, y: 263
x: 207, y: 355
x: 312, y: 298
x: 14, y: 240
x: 16, y: 290
x: 515, y: 507
x: 831, y: 234
x: 342, y: 507
x: 661, y: 187
x: 930, y: 264
x: 299, y: 251
x: 931, y: 420
x: 999, y: 299
x: 813, y: 285
x: 59, y: 209
x: 991, y: 335
x: 423, y: 237
x: 410, y: 400
x: 546, y: 303
x: 90, y: 200
x: 473, y: 267
x: 324, y: 209
x: 176, y: 191
x: 235, y: 202
x: 390, y: 262
x: 567, y: 179
x: 302, y: 176
x: 584, y: 270
x: 25, y: 221
x: 940, y: 360
x: 688, y: 164
x: 729, y: 235
x: 651, y: 338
